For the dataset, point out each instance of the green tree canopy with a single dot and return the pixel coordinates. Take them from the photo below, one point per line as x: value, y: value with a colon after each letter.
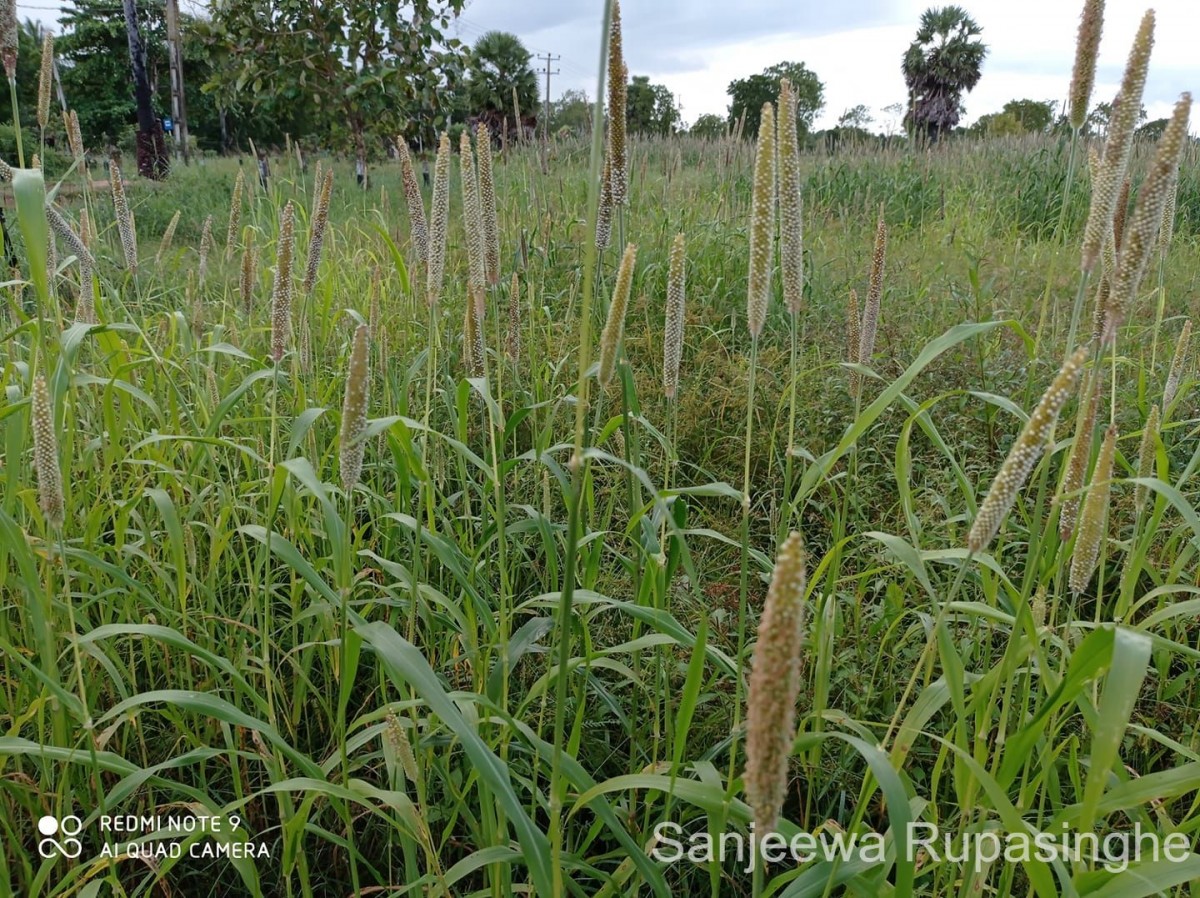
x: 997, y: 124
x: 650, y: 108
x: 572, y: 110
x: 858, y: 117
x: 1098, y: 118
x: 709, y: 126
x: 749, y: 94
x: 93, y: 53
x: 496, y: 65
x: 29, y: 63
x: 1034, y: 116
x: 368, y: 66
x: 940, y: 65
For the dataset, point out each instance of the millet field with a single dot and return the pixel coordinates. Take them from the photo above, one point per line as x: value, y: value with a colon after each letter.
x: 607, y: 498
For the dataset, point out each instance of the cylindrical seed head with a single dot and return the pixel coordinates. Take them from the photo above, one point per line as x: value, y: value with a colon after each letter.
x: 513, y: 345
x: 1166, y: 231
x: 604, y: 210
x: 85, y: 308
x: 9, y: 37
x: 439, y: 217
x: 762, y: 225
x: 479, y: 309
x: 870, y: 322
x: 124, y: 217
x: 1087, y: 48
x: 791, y: 224
x: 51, y: 259
x: 1142, y: 236
x: 168, y: 236
x: 1146, y: 453
x: 473, y: 348
x: 281, y: 292
x: 1176, y: 372
x: 418, y: 229
x: 235, y: 214
x: 617, y: 90
x: 206, y: 245
x: 354, y: 409
x: 1112, y: 246
x: 614, y: 325
x: 45, y: 455
x: 472, y: 216
x: 59, y: 226
x: 673, y: 327
x: 1095, y: 512
x: 75, y: 136
x: 1117, y: 146
x: 401, y: 747
x: 1081, y: 454
x: 45, y: 81
x: 487, y: 205
x: 774, y: 687
x: 1121, y: 216
x: 316, y: 240
x: 1024, y: 454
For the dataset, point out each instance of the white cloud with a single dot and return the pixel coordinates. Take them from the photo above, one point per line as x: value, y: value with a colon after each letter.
x: 1032, y: 47
x: 686, y: 45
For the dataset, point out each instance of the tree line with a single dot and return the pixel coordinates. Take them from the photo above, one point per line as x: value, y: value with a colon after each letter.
x: 357, y: 75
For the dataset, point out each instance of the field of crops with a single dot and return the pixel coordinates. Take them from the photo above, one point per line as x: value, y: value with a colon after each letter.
x: 538, y: 530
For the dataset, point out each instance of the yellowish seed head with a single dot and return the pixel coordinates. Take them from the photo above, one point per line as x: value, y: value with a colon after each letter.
x: 281, y: 293
x: 1024, y: 454
x: 45, y: 455
x: 614, y: 325
x: 791, y: 224
x: 1095, y: 514
x: 418, y: 229
x: 1115, y: 161
x: 487, y: 205
x: 1087, y: 48
x: 1142, y: 233
x: 774, y: 687
x: 673, y: 326
x: 439, y: 218
x: 762, y: 225
x: 354, y: 409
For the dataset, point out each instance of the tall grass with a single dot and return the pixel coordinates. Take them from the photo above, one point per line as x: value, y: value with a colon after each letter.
x: 489, y: 626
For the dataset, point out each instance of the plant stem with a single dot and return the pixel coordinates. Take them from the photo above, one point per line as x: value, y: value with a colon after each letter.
x: 577, y: 465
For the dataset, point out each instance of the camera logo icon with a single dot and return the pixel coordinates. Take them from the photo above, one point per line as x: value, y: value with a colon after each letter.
x: 50, y: 828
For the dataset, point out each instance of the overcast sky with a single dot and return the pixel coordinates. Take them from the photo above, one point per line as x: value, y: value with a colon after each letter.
x: 696, y: 47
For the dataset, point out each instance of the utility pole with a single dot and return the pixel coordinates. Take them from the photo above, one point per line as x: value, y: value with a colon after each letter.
x: 175, y: 56
x: 549, y: 58
x: 152, y: 161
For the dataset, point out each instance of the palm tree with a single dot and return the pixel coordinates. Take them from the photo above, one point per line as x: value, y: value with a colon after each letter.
x: 941, y: 64
x: 498, y: 63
